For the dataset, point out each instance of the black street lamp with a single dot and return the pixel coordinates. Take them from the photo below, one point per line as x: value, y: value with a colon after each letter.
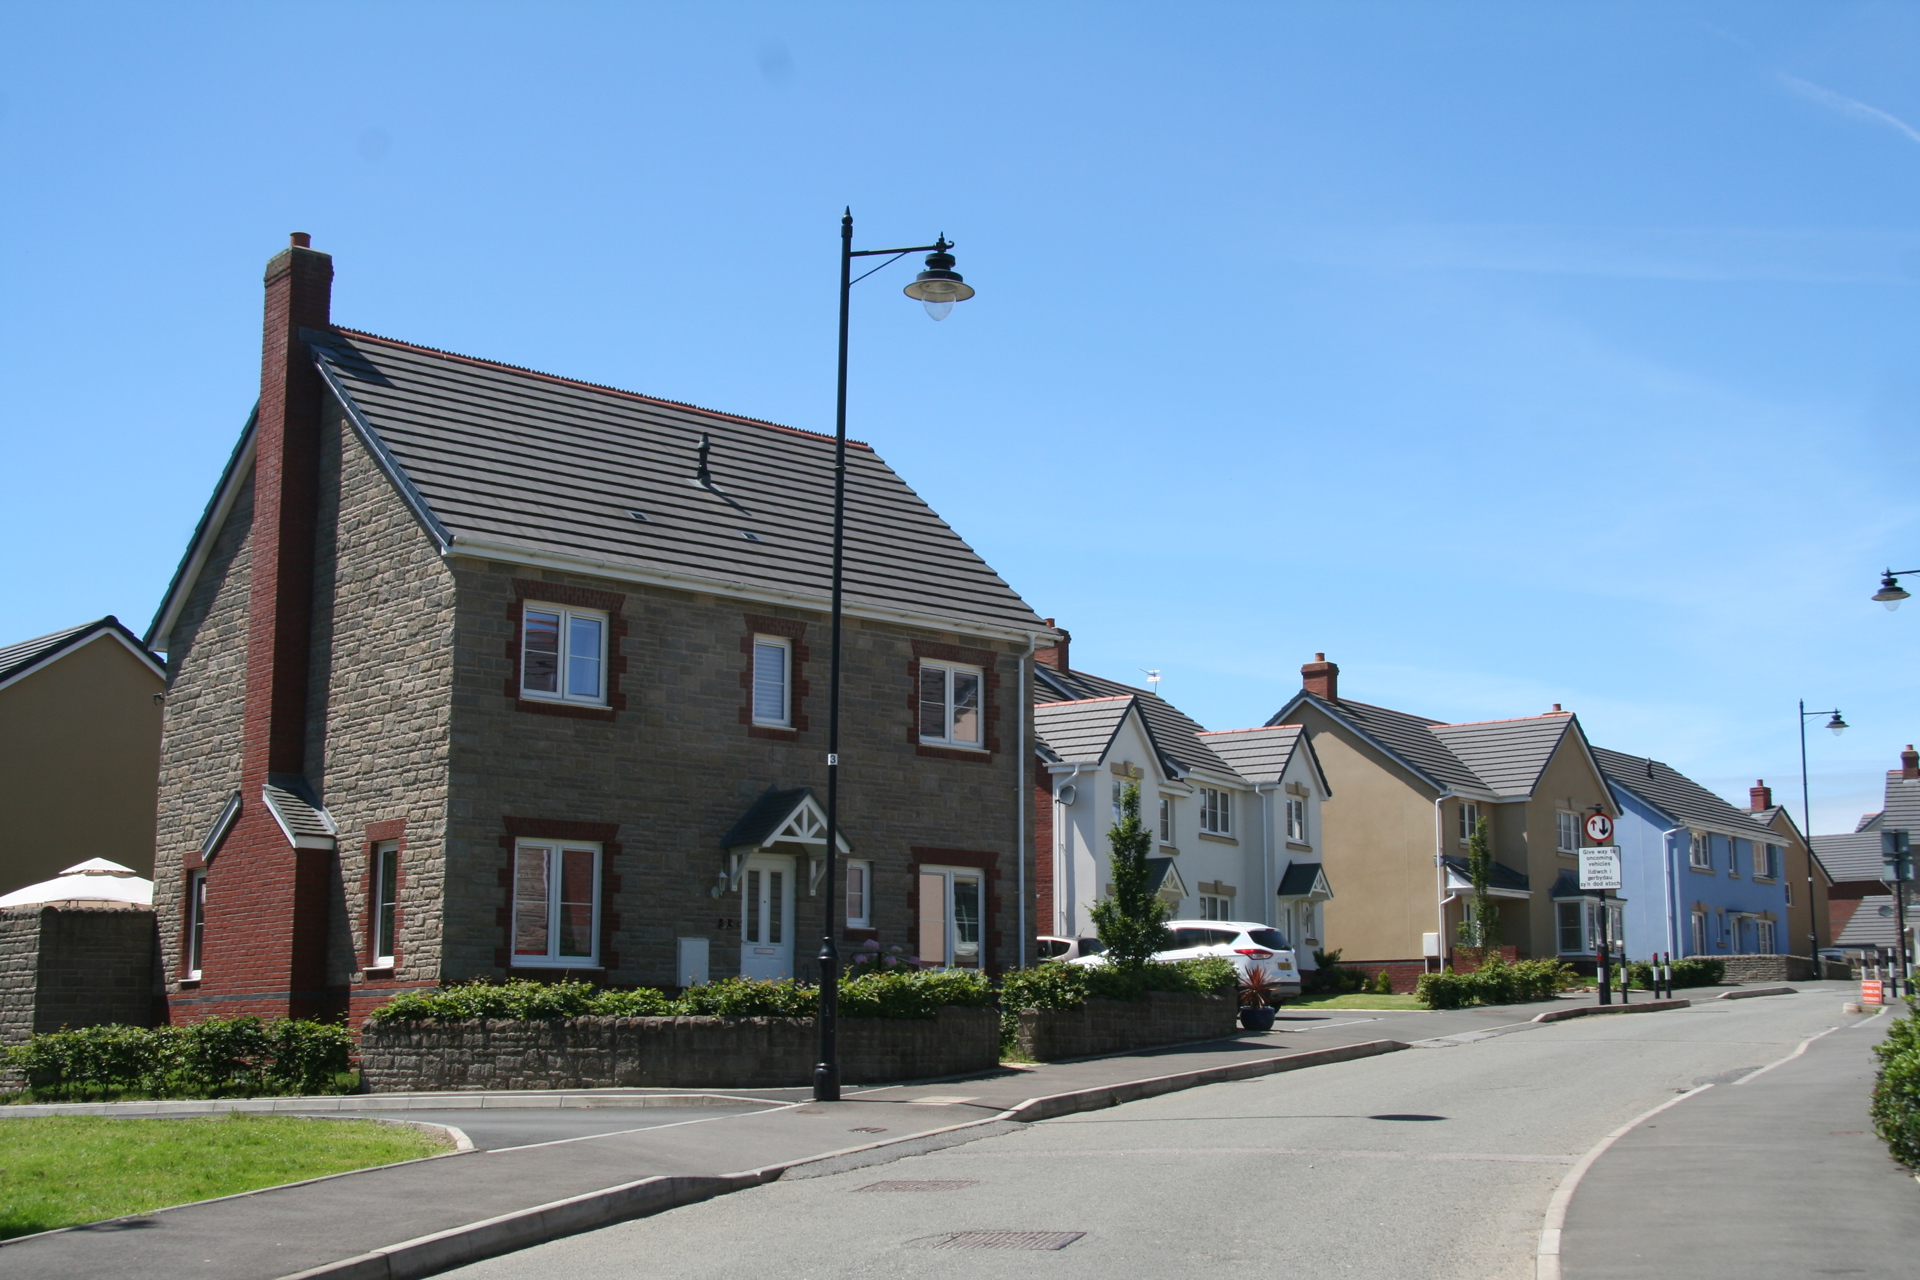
x: 1838, y: 727
x: 1890, y: 593
x: 938, y: 287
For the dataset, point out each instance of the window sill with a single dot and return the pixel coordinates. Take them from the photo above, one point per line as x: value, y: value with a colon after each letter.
x: 1170, y: 850
x: 1705, y: 871
x: 569, y: 710
x: 534, y: 962
x: 779, y: 733
x: 190, y: 984
x: 967, y: 755
x: 1208, y: 835
x: 378, y: 970
x: 1297, y: 847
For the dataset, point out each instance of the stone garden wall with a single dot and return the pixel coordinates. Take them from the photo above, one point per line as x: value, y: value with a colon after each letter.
x: 686, y: 1053
x: 1120, y: 1026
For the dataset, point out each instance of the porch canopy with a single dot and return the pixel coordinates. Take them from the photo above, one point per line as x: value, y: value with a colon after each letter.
x: 791, y: 816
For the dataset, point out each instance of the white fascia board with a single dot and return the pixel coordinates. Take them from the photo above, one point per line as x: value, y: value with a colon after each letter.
x: 146, y: 658
x: 465, y: 544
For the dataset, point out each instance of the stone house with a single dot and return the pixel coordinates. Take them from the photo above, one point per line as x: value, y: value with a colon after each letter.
x: 477, y: 672
x: 1862, y: 913
x: 1235, y: 814
x: 1406, y: 794
x: 79, y: 749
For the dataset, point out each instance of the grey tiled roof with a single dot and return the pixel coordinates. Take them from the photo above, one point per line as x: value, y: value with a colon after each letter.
x: 1850, y: 857
x: 1678, y: 796
x: 1258, y: 755
x: 539, y: 464
x: 1408, y: 737
x: 1500, y: 876
x: 1507, y: 755
x: 1172, y: 730
x: 1079, y: 732
x: 1298, y: 880
x: 1869, y: 822
x: 294, y: 804
x: 19, y: 656
x: 1867, y: 927
x: 1902, y: 811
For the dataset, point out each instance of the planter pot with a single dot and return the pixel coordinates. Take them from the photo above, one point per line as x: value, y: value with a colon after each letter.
x: 1257, y: 1017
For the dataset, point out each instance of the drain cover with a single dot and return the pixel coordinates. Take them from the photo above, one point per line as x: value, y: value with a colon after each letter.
x: 1007, y: 1240
x: 920, y: 1184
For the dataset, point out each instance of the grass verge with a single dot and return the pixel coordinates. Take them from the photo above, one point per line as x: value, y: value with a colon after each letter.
x: 60, y: 1171
x: 1356, y: 1000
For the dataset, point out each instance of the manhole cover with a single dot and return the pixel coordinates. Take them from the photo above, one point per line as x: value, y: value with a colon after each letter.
x: 920, y: 1184
x: 1007, y: 1240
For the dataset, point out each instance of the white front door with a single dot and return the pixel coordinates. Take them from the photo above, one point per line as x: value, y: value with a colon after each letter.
x: 766, y: 918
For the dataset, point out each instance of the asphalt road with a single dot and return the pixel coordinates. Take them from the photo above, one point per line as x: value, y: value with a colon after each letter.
x: 1433, y: 1162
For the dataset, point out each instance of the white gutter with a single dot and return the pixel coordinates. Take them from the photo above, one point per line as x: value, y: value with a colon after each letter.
x: 1059, y: 855
x: 1667, y: 868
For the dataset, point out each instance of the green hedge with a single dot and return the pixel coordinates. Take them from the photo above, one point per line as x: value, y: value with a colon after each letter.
x: 1496, y: 982
x: 218, y: 1058
x: 1896, y: 1089
x: 1068, y: 986
x: 1688, y: 971
x: 872, y: 995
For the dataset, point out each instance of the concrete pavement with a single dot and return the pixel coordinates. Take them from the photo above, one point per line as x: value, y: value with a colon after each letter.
x: 1436, y: 1163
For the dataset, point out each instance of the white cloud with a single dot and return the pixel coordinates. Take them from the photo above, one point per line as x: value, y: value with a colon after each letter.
x: 1847, y: 106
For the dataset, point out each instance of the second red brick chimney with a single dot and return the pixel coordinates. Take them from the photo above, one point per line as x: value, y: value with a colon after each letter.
x: 1055, y: 655
x: 1759, y: 795
x: 1321, y: 678
x: 1910, y: 762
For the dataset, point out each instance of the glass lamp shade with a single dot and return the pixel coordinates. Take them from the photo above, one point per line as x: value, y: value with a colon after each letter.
x: 1838, y: 725
x: 939, y: 286
x: 1890, y: 593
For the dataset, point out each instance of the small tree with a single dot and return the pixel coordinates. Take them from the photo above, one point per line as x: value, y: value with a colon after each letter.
x: 1132, y: 922
x: 1481, y: 928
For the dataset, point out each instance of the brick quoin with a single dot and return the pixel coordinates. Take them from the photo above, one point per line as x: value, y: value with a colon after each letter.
x: 266, y: 902
x: 1043, y: 912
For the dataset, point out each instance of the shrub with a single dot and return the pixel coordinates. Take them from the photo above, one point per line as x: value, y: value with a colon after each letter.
x: 1330, y: 978
x: 912, y: 995
x: 1690, y: 971
x: 1896, y: 1089
x: 869, y: 958
x: 1495, y: 982
x: 1444, y: 990
x: 1383, y: 984
x: 1068, y: 986
x: 221, y: 1057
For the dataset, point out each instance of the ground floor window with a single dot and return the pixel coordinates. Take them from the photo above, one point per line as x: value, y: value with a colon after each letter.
x: 556, y: 903
x: 951, y: 904
x: 1766, y: 937
x: 196, y: 921
x: 1579, y: 923
x: 1212, y: 908
x: 859, y: 895
x: 1699, y: 933
x: 1572, y: 919
x: 386, y: 892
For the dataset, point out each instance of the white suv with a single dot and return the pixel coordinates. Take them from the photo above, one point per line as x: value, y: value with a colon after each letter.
x: 1249, y: 945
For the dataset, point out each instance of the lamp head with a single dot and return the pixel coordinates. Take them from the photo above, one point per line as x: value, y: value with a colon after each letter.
x: 1838, y: 725
x: 1889, y: 593
x: 939, y: 286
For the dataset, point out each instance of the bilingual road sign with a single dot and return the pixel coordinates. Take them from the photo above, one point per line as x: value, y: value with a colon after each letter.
x: 1600, y: 868
x: 1599, y: 828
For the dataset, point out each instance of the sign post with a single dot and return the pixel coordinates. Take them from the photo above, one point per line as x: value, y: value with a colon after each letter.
x: 1897, y: 856
x: 1600, y: 869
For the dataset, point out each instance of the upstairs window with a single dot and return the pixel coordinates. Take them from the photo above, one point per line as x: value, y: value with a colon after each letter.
x: 1469, y: 819
x: 1297, y: 820
x: 563, y: 654
x: 772, y: 678
x: 1566, y: 830
x: 1700, y: 851
x: 1735, y: 846
x: 196, y: 922
x: 1213, y: 908
x: 556, y: 904
x: 1166, y: 819
x: 1216, y: 811
x: 950, y: 705
x: 1772, y: 859
x: 386, y: 892
x: 859, y: 895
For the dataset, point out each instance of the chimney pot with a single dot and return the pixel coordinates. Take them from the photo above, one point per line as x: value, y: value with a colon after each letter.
x: 1556, y: 706
x: 300, y: 240
x: 1910, y: 762
x: 1760, y: 795
x: 1321, y: 678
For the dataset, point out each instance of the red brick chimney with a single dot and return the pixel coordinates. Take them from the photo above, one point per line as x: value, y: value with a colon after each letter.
x: 1759, y: 795
x: 267, y: 902
x: 1055, y: 655
x: 1321, y: 678
x: 1910, y: 762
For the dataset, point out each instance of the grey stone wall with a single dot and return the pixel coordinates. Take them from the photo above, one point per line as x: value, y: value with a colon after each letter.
x: 1121, y: 1026
x: 704, y: 1053
x: 74, y: 967
x: 677, y: 766
x: 1761, y: 968
x: 201, y: 730
x: 379, y: 704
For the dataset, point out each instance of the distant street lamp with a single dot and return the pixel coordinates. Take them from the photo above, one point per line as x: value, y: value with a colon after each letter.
x: 1890, y: 593
x: 1838, y: 726
x: 938, y: 288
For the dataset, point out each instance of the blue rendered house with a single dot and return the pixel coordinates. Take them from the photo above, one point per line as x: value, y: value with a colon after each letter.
x: 1702, y: 877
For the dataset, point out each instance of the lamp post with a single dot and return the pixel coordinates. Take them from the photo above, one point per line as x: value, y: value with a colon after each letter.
x: 938, y: 288
x: 1838, y: 726
x: 1890, y: 593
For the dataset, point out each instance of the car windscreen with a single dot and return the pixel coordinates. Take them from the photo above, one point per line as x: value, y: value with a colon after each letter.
x: 1268, y: 938
x: 1091, y: 946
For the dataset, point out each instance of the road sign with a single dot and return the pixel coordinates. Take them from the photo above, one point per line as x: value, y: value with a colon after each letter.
x: 1600, y: 868
x: 1599, y: 828
x: 1872, y: 991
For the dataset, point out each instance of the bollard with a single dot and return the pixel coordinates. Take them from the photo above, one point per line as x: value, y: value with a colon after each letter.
x: 1603, y: 976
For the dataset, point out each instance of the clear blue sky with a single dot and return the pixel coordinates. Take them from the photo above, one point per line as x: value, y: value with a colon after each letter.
x: 1510, y: 354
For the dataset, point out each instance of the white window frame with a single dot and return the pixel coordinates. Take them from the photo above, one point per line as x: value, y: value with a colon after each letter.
x: 764, y: 647
x: 1566, y: 831
x: 1700, y: 850
x: 1584, y: 907
x: 384, y: 916
x: 950, y: 943
x: 196, y: 923
x: 1119, y: 801
x: 1469, y: 819
x: 1786, y: 882
x: 1214, y: 907
x: 551, y: 958
x: 1166, y: 820
x: 859, y: 899
x: 1297, y: 820
x: 564, y: 678
x: 944, y: 737
x: 1765, y: 937
x: 1216, y: 811
x: 1698, y: 932
x: 1776, y: 862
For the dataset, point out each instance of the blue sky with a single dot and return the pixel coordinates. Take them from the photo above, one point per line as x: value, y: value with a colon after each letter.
x: 1510, y: 354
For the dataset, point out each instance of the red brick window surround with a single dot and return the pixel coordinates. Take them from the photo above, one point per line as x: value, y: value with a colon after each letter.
x: 936, y: 652
x: 598, y: 833
x: 557, y: 593
x: 794, y: 633
x: 932, y: 905
x: 383, y: 879
x: 193, y: 919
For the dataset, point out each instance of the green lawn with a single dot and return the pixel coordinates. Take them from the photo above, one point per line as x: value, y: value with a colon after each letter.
x: 62, y: 1170
x: 1354, y: 1001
